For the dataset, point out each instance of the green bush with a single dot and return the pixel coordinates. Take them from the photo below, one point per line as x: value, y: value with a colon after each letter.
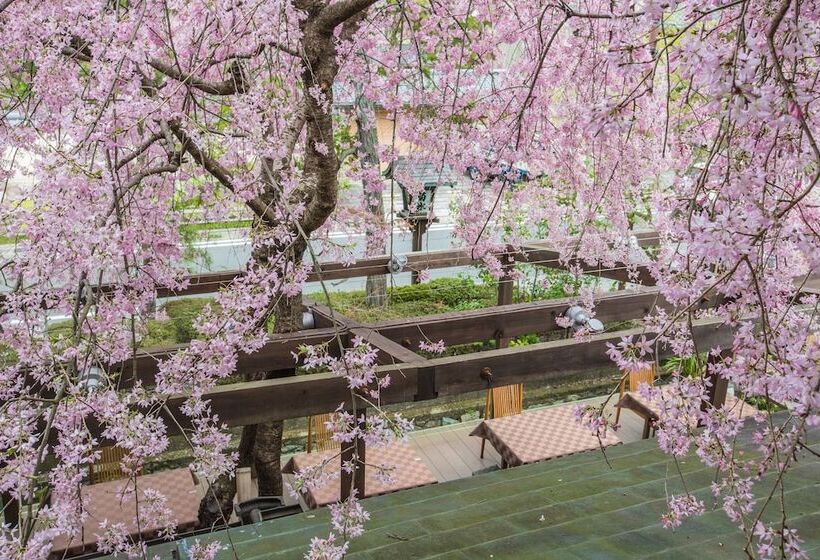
x: 691, y: 366
x: 762, y: 403
x: 179, y: 327
x: 436, y: 296
x: 469, y: 305
x: 183, y: 313
x: 160, y: 333
x: 529, y: 288
x: 448, y: 291
x: 525, y: 340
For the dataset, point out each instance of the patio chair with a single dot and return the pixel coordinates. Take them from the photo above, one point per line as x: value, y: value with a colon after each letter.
x: 636, y: 378
x: 108, y: 467
x: 245, y: 488
x: 318, y: 434
x: 503, y: 401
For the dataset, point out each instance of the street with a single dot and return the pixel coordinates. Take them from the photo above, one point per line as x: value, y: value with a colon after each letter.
x: 233, y: 251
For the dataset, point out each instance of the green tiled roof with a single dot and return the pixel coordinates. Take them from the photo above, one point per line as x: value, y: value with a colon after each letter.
x: 570, y: 508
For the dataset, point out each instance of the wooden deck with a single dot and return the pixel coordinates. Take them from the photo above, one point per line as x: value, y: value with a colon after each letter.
x: 451, y: 454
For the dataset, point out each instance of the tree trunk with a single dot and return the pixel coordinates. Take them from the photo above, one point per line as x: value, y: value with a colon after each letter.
x: 217, y: 505
x: 368, y: 137
x: 261, y: 445
x: 267, y: 444
x: 267, y: 458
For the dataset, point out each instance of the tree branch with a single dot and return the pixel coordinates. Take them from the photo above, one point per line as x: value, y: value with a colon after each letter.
x: 572, y: 13
x: 289, y: 137
x: 237, y: 83
x: 258, y: 50
x: 257, y: 205
x: 169, y: 167
x: 139, y: 150
x: 339, y: 12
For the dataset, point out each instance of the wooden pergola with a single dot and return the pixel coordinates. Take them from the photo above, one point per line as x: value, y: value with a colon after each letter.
x: 416, y: 377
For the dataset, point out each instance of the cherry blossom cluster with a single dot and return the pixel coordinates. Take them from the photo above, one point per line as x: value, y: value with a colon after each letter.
x: 377, y: 429
x: 581, y: 123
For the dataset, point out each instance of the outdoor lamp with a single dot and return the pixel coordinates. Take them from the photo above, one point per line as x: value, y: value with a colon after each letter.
x: 91, y: 379
x: 580, y: 319
x: 397, y: 263
x: 413, y: 206
x: 430, y: 174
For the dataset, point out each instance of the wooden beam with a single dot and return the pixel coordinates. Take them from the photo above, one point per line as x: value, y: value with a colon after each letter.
x: 718, y: 386
x: 390, y: 352
x: 395, y: 338
x: 647, y: 238
x: 505, y: 297
x: 809, y: 284
x: 534, y: 252
x: 379, y: 265
x: 543, y: 255
x: 551, y: 360
x: 416, y: 261
x: 354, y: 452
x: 203, y: 284
x: 329, y: 318
x: 460, y: 327
x: 276, y: 354
x: 298, y: 396
x: 293, y: 397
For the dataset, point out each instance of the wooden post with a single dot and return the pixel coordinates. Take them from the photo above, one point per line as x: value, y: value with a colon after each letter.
x: 505, y: 297
x: 357, y: 477
x: 11, y: 510
x: 716, y: 393
x: 419, y: 228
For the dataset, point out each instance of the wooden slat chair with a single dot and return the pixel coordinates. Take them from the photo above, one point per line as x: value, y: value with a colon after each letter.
x: 319, y: 436
x: 108, y: 467
x: 636, y: 378
x: 245, y: 488
x: 503, y: 401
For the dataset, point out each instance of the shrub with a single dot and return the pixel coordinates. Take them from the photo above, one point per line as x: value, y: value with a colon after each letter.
x: 179, y: 327
x: 448, y: 291
x: 182, y: 313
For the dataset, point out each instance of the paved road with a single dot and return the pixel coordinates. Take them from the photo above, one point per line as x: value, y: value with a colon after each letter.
x: 233, y: 251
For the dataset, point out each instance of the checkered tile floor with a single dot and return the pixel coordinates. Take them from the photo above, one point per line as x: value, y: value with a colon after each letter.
x: 404, y: 466
x: 537, y: 435
x: 114, y: 502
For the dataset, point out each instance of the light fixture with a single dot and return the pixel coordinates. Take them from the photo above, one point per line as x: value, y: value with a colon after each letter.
x: 397, y: 263
x: 308, y: 320
x: 580, y: 319
x: 417, y: 204
x: 417, y: 207
x: 91, y: 379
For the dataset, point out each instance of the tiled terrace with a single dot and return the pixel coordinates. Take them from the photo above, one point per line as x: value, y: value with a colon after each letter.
x: 451, y: 453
